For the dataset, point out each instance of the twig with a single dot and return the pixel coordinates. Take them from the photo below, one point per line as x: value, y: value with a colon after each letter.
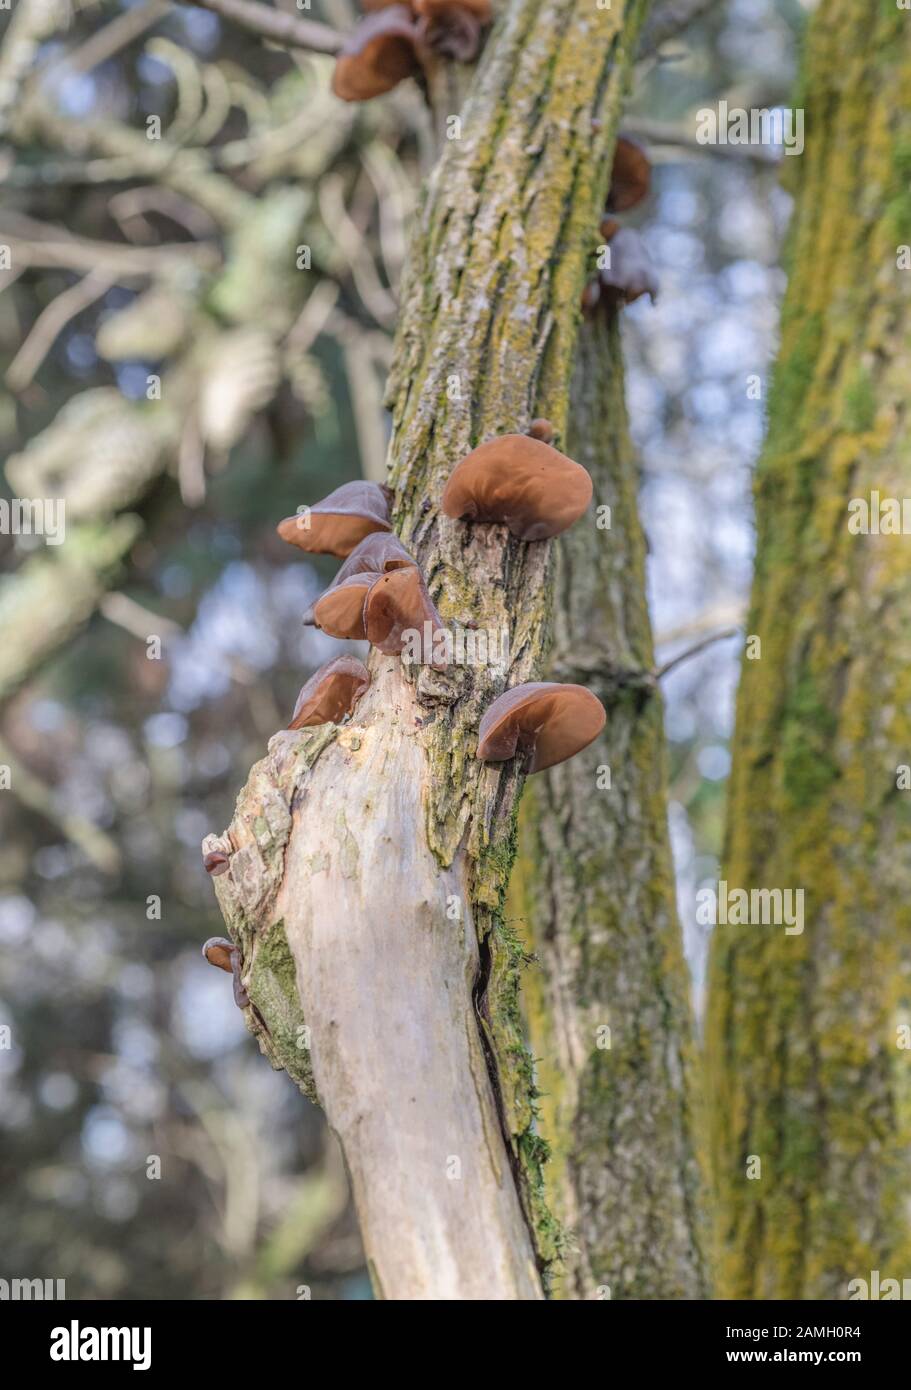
x: 275, y: 25
x: 37, y: 243
x: 50, y: 324
x: 140, y: 622
x: 105, y: 42
x: 694, y: 650
x: 132, y: 203
x: 730, y: 613
x: 655, y: 133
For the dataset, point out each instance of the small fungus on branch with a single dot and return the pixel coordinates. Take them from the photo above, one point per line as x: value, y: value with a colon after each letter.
x: 544, y: 720
x: 331, y: 693
x: 340, y: 522
x: 519, y: 482
x: 631, y: 273
x: 218, y: 950
x: 378, y: 54
x: 216, y: 862
x: 398, y: 603
x: 631, y: 175
x: 375, y: 554
x: 340, y: 610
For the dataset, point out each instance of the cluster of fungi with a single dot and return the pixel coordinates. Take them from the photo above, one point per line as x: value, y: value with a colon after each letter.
x: 518, y: 481
x: 394, y: 41
x: 629, y: 272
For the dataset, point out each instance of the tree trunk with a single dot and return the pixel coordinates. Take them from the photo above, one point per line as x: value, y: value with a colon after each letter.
x: 594, y: 889
x: 810, y: 1082
x: 369, y: 864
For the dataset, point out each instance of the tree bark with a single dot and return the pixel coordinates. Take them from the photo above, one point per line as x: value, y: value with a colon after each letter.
x: 369, y: 864
x: 810, y: 1086
x: 594, y: 890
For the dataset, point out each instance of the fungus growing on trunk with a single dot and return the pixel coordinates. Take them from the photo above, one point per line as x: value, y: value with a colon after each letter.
x: 216, y: 862
x: 218, y: 950
x: 519, y: 482
x: 338, y: 523
x: 380, y: 53
x: 631, y: 175
x: 544, y: 720
x: 542, y: 429
x: 340, y: 610
x: 331, y: 693
x: 376, y: 554
x: 453, y: 28
x: 631, y: 273
x: 398, y: 603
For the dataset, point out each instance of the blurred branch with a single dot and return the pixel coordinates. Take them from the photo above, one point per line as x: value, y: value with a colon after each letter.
x: 726, y: 613
x: 131, y: 205
x: 46, y: 601
x: 380, y: 301
x: 105, y: 43
x: 97, y: 847
x: 32, y: 24
x: 668, y: 20
x: 655, y: 133
x: 37, y: 243
x: 277, y: 26
x: 365, y: 393
x: 694, y: 650
x: 317, y: 1203
x: 140, y: 622
x: 51, y: 322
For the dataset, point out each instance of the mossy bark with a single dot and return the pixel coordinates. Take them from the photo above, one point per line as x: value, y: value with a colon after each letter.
x: 593, y: 891
x: 395, y: 818
x: 810, y: 1086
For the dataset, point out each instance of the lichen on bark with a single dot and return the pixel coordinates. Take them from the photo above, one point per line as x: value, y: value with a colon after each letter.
x: 593, y: 897
x: 806, y: 1070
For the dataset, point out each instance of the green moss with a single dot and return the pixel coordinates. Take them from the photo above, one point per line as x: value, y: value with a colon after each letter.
x: 273, y: 989
x: 860, y: 402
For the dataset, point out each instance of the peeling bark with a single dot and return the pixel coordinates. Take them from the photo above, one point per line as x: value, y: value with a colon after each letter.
x: 593, y: 888
x: 378, y: 859
x: 808, y: 1074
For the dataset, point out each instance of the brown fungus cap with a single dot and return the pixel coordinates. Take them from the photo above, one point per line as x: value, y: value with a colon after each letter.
x: 380, y: 52
x: 453, y: 28
x: 546, y: 721
x: 631, y: 175
x: 631, y: 273
x: 338, y: 523
x: 340, y: 611
x: 398, y: 603
x: 216, y: 862
x: 376, y: 554
x: 331, y: 693
x: 521, y: 483
x: 219, y: 951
